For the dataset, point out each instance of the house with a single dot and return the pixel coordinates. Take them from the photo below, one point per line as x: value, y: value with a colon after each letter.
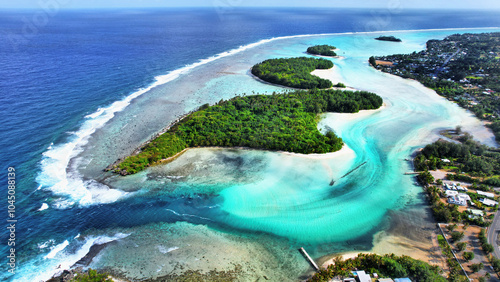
x: 456, y: 200
x: 361, y: 276
x: 402, y: 280
x: 451, y: 193
x: 486, y: 194
x: 385, y: 280
x: 463, y: 196
x: 488, y: 202
x: 445, y: 161
x: 475, y: 213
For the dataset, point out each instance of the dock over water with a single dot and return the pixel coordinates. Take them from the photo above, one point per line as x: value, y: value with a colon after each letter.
x: 311, y: 261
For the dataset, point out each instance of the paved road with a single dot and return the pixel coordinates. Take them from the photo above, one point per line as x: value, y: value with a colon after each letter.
x: 440, y: 69
x: 492, y: 234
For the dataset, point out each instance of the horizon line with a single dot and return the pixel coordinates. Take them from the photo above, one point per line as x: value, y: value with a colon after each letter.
x: 247, y: 7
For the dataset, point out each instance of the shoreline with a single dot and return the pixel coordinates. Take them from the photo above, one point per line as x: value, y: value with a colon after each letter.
x: 334, y: 76
x: 325, y: 261
x: 480, y: 134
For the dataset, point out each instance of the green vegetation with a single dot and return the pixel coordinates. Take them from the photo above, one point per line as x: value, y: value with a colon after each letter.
x: 495, y: 263
x: 425, y: 178
x: 92, y: 276
x: 456, y: 273
x: 293, y: 72
x: 476, y: 267
x: 286, y: 122
x: 457, y: 236
x: 340, y: 85
x: 462, y: 67
x: 385, y: 266
x: 324, y: 50
x: 461, y: 246
x: 474, y: 162
x: 468, y: 256
x: 388, y: 38
x: 373, y: 61
x: 487, y: 248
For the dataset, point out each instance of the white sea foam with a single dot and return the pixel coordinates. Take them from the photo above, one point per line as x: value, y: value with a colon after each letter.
x: 164, y: 250
x: 58, y: 259
x: 172, y: 249
x: 57, y: 176
x: 46, y: 244
x: 57, y: 249
x: 43, y: 207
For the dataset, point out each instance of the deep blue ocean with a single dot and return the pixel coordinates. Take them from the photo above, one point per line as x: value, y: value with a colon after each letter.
x: 75, y: 62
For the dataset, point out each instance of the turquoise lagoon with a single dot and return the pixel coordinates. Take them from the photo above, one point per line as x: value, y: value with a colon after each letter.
x: 217, y: 208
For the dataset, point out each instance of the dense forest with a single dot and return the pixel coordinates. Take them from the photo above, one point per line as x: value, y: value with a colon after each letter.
x: 324, y: 50
x: 385, y: 266
x: 293, y: 72
x: 388, y: 38
x: 286, y: 122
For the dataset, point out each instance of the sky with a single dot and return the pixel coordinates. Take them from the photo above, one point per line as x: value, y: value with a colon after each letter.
x: 408, y: 4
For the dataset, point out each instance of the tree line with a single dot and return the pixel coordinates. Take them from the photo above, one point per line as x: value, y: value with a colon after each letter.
x: 324, y: 50
x: 293, y: 72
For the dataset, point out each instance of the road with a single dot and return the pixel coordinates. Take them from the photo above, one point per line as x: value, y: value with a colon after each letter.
x: 439, y: 69
x: 492, y: 234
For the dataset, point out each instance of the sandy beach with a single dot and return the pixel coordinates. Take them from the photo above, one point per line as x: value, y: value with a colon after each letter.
x: 386, y: 243
x: 345, y: 256
x: 333, y: 75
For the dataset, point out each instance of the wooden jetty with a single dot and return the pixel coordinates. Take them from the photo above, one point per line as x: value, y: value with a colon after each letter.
x: 311, y: 261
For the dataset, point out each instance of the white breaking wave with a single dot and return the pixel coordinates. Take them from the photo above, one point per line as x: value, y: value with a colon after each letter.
x: 57, y: 249
x: 43, y: 207
x: 56, y: 175
x: 58, y: 259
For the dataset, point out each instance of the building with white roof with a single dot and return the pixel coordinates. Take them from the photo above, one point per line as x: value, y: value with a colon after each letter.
x: 456, y: 200
x: 475, y: 213
x: 486, y: 194
x: 464, y: 196
x: 488, y: 202
x: 451, y: 193
x: 363, y: 277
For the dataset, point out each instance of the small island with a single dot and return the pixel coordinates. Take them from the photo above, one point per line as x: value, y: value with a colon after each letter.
x: 388, y: 38
x: 323, y: 50
x: 278, y: 122
x: 293, y: 72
